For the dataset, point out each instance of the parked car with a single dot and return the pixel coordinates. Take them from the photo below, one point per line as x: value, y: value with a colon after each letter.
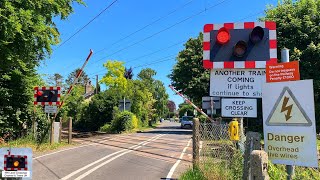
x: 186, y: 122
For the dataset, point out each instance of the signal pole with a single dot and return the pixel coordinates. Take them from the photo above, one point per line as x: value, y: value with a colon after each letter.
x: 97, y: 84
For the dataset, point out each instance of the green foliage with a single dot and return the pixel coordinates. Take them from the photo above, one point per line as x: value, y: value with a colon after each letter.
x: 42, y: 125
x: 29, y: 142
x: 203, y: 118
x: 298, y: 29
x: 158, y: 91
x: 277, y: 171
x: 106, y: 128
x: 124, y: 121
x: 142, y: 101
x: 192, y: 174
x: 188, y: 75
x: 98, y: 112
x: 27, y: 32
x: 82, y: 80
x: 213, y: 169
x: 186, y: 108
x: 114, y: 77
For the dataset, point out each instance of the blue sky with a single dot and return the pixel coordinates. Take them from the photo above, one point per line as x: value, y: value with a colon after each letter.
x: 109, y: 36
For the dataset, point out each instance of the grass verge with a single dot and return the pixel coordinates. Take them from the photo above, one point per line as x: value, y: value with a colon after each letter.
x: 192, y: 174
x: 29, y: 142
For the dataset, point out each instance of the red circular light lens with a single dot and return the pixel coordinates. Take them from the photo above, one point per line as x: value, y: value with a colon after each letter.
x: 39, y: 93
x: 223, y: 36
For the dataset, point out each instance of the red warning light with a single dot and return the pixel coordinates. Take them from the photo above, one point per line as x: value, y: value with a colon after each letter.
x: 223, y: 36
x: 39, y: 93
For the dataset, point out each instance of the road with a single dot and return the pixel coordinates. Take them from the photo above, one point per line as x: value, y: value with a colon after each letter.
x: 162, y: 153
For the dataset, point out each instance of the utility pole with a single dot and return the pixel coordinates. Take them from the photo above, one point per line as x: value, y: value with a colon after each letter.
x: 97, y: 84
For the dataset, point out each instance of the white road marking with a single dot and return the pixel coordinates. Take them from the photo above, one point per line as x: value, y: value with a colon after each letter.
x: 173, y: 168
x: 95, y: 162
x: 128, y: 151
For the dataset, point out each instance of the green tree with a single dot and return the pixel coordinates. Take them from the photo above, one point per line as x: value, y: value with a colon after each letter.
x: 57, y: 79
x: 98, y: 112
x: 82, y: 80
x: 157, y: 89
x: 27, y: 32
x: 188, y: 75
x: 114, y: 78
x: 185, y: 108
x: 298, y: 30
x: 142, y: 101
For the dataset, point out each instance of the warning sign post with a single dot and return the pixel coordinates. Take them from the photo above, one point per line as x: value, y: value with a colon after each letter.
x: 289, y: 123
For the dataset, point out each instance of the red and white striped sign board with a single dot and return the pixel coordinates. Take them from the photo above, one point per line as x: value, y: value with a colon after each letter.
x: 249, y: 63
x: 15, y: 169
x: 36, y: 89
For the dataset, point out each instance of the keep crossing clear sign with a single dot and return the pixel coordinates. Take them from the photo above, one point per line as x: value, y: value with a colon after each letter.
x: 239, y: 107
x: 289, y: 123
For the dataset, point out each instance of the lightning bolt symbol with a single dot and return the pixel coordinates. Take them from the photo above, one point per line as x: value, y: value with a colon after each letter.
x: 286, y: 108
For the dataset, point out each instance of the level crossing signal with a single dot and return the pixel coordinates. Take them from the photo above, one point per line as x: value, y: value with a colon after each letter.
x: 47, y: 96
x: 15, y: 162
x: 239, y: 45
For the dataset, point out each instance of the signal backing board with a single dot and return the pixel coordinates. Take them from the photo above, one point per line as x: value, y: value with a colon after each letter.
x: 217, y: 56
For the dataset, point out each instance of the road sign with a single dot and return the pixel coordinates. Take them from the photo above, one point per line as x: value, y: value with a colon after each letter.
x: 126, y: 105
x: 237, y: 82
x: 289, y: 123
x: 239, y: 45
x: 50, y: 109
x: 288, y: 71
x: 238, y: 107
x: 208, y: 101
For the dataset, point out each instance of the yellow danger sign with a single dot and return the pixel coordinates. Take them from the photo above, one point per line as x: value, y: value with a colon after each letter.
x: 287, y: 111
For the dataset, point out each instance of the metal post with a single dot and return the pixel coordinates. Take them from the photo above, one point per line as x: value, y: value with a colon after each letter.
x: 97, y: 84
x: 124, y: 103
x: 195, y: 143
x: 242, y: 136
x: 34, y: 123
x: 70, y: 130
x: 252, y: 143
x: 211, y: 106
x: 60, y: 130
x: 285, y: 55
x: 285, y: 58
x: 52, y: 131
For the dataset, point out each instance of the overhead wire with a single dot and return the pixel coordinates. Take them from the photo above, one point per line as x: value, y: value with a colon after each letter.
x: 144, y: 27
x: 136, y: 31
x: 77, y: 32
x: 166, y: 58
x: 163, y: 30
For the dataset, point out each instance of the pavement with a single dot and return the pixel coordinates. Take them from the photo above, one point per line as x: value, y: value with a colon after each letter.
x: 162, y: 153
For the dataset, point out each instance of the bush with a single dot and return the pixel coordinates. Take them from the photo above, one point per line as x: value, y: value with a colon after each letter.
x: 106, y: 128
x: 98, y: 112
x: 124, y: 121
